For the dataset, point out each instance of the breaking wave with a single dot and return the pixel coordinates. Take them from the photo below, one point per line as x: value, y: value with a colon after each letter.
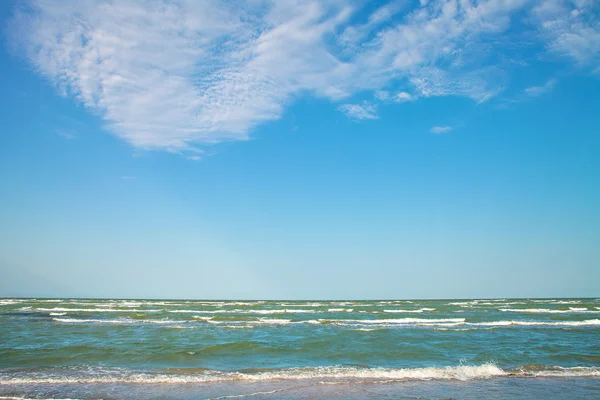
x: 461, y: 373
x: 571, y: 310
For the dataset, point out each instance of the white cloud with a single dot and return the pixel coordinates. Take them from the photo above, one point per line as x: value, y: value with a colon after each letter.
x: 571, y: 28
x: 440, y: 129
x: 534, y: 91
x: 182, y: 75
x: 402, y: 97
x: 358, y: 111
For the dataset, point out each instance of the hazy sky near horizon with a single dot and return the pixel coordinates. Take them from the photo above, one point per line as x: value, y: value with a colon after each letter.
x: 300, y: 149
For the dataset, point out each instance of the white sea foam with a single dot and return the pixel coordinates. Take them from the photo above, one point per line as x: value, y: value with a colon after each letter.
x: 409, y: 321
x: 241, y: 311
x: 202, y: 318
x: 589, y: 322
x: 29, y: 398
x: 237, y: 326
x: 97, y: 310
x: 464, y: 304
x: 93, y: 321
x: 562, y: 372
x: 277, y: 311
x: 462, y: 372
x: 420, y: 310
x: 395, y: 302
x: 393, y: 322
x: 271, y: 321
x: 548, y: 310
x: 118, y: 321
x: 351, y: 323
x: 8, y: 302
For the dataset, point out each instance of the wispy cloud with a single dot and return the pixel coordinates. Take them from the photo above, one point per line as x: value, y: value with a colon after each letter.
x: 183, y: 75
x: 67, y: 134
x: 359, y: 111
x: 441, y: 129
x: 535, y: 91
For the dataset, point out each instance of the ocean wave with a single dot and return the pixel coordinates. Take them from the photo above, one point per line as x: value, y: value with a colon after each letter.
x: 8, y: 302
x: 571, y: 310
x: 118, y: 321
x: 589, y: 322
x: 48, y: 300
x: 460, y: 373
x: 240, y: 311
x: 98, y: 310
x: 395, y: 302
x: 314, y: 373
x: 420, y: 310
x: 391, y: 322
x: 351, y: 323
x: 464, y: 303
x: 30, y: 398
x: 202, y: 318
x: 451, y: 322
x: 556, y: 371
x: 409, y: 321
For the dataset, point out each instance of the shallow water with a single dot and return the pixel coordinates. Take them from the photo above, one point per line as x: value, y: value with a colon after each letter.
x: 503, y: 348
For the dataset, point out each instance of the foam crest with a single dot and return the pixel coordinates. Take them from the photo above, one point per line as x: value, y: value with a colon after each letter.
x: 118, y: 321
x: 333, y: 374
x: 548, y: 310
x: 555, y: 372
x: 392, y: 322
x: 8, y: 302
x: 240, y: 311
x: 589, y: 322
x: 29, y: 398
x: 418, y: 311
x: 97, y: 310
x: 410, y: 321
x: 462, y: 372
x: 464, y: 303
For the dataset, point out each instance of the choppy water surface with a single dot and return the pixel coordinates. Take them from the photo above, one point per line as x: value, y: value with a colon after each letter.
x: 501, y: 348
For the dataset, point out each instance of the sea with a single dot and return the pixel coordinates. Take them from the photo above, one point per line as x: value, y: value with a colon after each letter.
x: 376, y: 349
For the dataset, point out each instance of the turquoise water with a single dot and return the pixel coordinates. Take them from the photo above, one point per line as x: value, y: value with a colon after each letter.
x: 501, y: 348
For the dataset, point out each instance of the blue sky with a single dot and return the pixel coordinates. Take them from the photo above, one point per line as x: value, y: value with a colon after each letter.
x: 310, y: 149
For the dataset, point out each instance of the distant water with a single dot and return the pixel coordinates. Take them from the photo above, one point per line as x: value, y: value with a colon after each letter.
x: 178, y: 349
